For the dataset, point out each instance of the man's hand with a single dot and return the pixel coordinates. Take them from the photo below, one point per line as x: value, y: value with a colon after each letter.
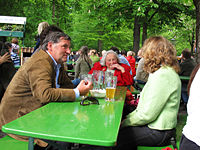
x: 84, y: 87
x: 5, y: 58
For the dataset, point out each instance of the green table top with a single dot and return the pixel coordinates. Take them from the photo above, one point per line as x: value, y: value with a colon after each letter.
x: 70, y: 62
x: 184, y: 77
x: 71, y: 122
x: 71, y: 70
x: 135, y: 92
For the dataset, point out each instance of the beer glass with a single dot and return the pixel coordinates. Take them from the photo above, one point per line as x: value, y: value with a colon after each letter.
x: 111, y: 84
x: 98, y: 79
x: 86, y: 77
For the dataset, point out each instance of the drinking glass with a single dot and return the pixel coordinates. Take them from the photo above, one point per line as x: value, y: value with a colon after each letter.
x: 86, y: 77
x: 111, y: 84
x: 98, y: 79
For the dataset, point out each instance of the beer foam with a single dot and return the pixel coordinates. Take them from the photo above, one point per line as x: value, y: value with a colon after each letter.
x: 101, y: 93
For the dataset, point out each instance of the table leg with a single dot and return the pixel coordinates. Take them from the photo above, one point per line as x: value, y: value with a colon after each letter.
x: 31, y: 143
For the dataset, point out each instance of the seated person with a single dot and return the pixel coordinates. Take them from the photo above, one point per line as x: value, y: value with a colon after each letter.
x: 110, y: 62
x: 141, y: 75
x: 154, y: 120
x: 83, y: 64
x: 15, y: 58
x: 41, y: 80
x: 131, y: 59
x: 44, y: 29
x: 122, y: 59
x: 7, y: 69
x: 15, y: 46
x: 93, y: 56
x: 187, y: 65
x: 41, y: 27
x: 190, y: 139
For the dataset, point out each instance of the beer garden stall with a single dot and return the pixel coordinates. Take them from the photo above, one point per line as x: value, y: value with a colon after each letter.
x: 12, y: 28
x: 12, y: 20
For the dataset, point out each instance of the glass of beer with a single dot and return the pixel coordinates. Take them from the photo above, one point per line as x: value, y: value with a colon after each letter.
x: 86, y: 77
x: 111, y: 84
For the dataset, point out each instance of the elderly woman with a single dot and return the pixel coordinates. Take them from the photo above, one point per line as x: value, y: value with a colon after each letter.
x: 110, y: 62
x: 154, y: 120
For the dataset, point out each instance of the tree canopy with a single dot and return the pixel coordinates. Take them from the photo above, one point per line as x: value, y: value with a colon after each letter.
x: 101, y: 24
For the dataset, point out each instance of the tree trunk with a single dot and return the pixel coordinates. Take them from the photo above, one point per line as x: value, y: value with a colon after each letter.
x: 100, y: 45
x: 197, y: 6
x: 144, y: 32
x: 192, y: 41
x: 100, y: 42
x: 145, y: 22
x: 136, y: 35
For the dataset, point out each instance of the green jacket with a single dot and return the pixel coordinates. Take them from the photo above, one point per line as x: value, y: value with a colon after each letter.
x: 159, y: 101
x: 94, y: 58
x: 82, y: 67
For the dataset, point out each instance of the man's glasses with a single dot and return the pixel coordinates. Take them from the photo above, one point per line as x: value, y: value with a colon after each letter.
x: 89, y: 100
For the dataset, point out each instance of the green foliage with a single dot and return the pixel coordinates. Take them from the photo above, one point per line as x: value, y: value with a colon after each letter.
x: 111, y: 22
x: 14, y: 27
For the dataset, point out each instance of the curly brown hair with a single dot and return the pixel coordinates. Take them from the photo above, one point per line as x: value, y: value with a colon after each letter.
x: 157, y: 52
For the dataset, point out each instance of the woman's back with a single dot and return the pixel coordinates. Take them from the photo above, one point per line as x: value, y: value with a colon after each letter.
x: 82, y: 67
x: 84, y: 63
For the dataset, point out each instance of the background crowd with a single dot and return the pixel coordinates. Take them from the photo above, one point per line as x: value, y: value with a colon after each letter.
x: 45, y: 79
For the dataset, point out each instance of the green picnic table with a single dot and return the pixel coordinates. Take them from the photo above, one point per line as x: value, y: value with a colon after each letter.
x: 185, y: 77
x: 72, y: 71
x: 71, y: 122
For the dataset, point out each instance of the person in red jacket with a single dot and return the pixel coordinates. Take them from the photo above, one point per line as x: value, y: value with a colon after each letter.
x: 131, y: 59
x: 110, y: 62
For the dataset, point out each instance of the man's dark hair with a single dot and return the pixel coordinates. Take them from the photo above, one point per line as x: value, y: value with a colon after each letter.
x: 123, y: 52
x: 115, y: 49
x: 186, y: 53
x: 47, y: 30
x: 55, y: 38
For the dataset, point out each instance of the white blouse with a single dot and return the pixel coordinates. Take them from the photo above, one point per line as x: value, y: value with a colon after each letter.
x: 192, y: 128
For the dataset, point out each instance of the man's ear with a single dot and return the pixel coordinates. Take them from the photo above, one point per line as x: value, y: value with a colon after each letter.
x: 49, y: 46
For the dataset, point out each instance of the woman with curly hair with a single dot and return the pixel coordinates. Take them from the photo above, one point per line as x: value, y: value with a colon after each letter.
x: 154, y: 120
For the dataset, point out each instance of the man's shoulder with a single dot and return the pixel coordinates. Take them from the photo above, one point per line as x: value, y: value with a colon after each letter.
x: 39, y: 59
